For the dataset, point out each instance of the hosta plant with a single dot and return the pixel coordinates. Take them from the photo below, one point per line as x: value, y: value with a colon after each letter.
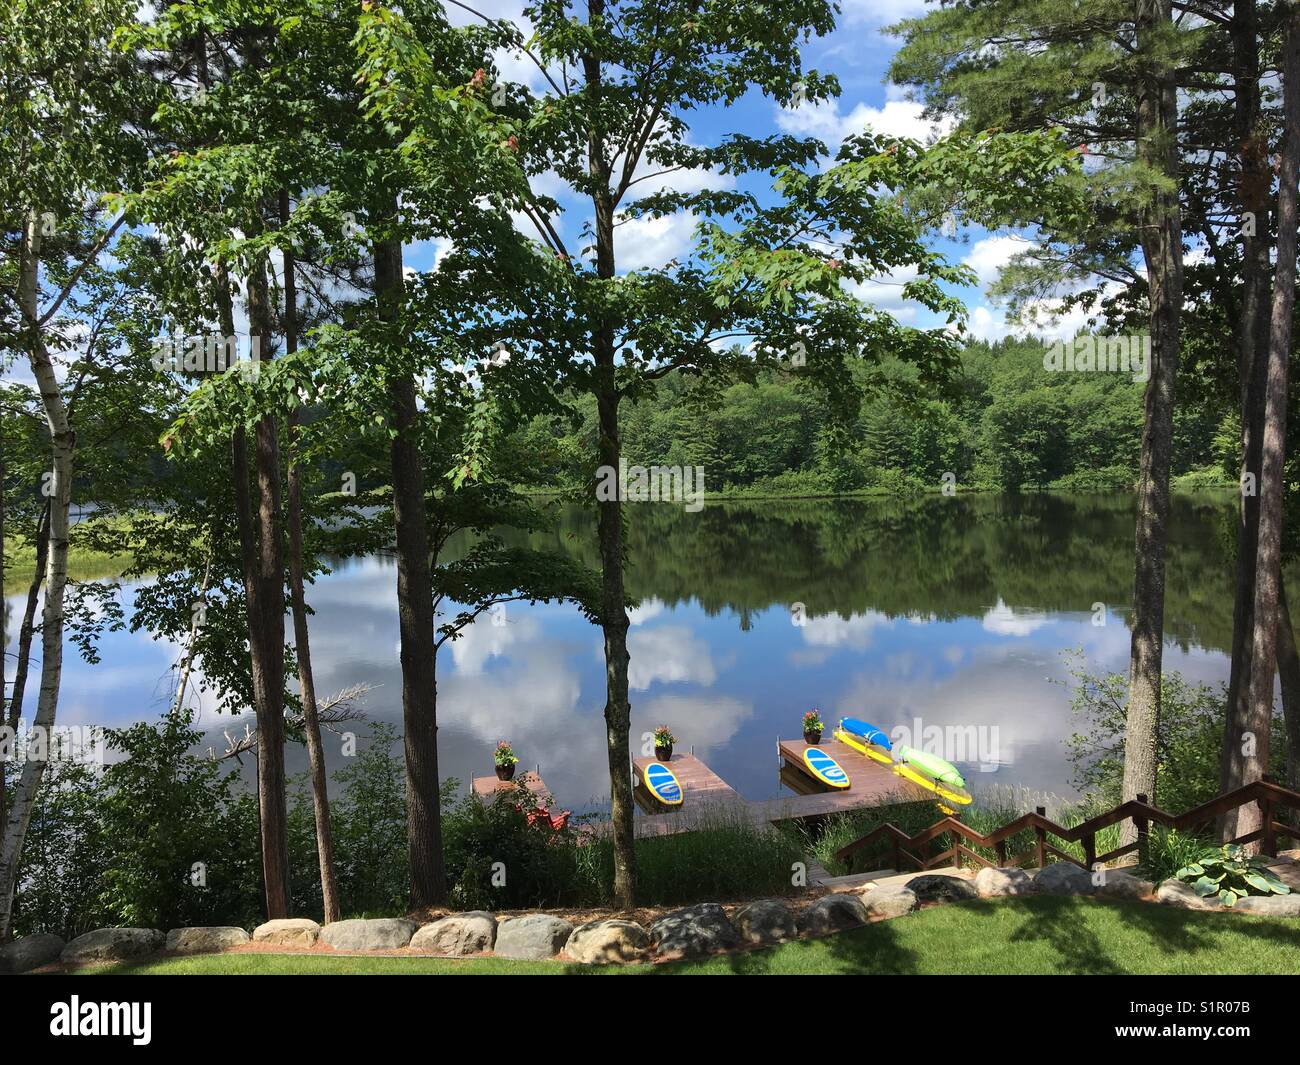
x: 1231, y: 874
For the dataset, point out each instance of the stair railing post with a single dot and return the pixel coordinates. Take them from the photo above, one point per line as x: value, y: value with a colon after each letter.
x: 1041, y: 834
x: 1140, y: 823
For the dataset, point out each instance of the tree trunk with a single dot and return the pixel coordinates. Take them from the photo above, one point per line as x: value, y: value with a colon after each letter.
x: 259, y: 538
x: 62, y: 449
x: 27, y: 627
x: 414, y: 606
x: 1288, y: 668
x: 1254, y: 756
x: 302, y: 641
x: 1252, y: 339
x: 609, y: 513
x: 1157, y: 115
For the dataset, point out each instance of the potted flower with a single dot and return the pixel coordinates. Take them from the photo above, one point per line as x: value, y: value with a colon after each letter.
x: 812, y: 727
x: 505, y: 760
x: 664, y: 740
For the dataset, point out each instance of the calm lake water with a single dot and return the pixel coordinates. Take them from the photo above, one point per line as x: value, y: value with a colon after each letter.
x: 947, y: 612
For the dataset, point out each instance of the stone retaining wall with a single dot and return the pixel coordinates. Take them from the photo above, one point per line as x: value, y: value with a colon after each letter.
x: 693, y: 931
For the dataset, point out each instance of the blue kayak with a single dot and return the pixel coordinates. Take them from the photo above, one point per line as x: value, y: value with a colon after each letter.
x: 866, y: 732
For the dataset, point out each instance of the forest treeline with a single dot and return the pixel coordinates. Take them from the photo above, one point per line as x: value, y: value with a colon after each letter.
x: 1004, y: 422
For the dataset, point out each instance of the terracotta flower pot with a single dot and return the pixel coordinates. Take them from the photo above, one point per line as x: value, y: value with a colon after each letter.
x: 812, y: 738
x: 664, y: 753
x: 506, y: 772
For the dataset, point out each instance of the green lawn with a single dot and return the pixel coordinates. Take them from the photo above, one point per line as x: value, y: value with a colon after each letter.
x: 1012, y: 936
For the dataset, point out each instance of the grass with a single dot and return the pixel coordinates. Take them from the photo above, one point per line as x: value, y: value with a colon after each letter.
x: 1029, y: 936
x: 84, y: 563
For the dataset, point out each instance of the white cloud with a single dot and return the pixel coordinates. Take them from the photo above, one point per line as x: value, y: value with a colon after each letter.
x: 832, y: 630
x: 987, y: 257
x: 650, y: 243
x: 1003, y: 621
x: 670, y: 654
x: 824, y: 120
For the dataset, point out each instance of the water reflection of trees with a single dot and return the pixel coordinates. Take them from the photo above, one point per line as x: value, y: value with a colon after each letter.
x: 950, y: 557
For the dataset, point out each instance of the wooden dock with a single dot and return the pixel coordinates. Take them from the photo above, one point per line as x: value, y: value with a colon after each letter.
x: 488, y: 788
x: 708, y: 799
x: 870, y: 784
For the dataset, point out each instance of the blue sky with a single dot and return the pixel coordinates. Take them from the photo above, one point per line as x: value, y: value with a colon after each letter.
x: 858, y: 52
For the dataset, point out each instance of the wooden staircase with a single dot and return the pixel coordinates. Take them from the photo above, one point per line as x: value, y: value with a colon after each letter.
x: 904, y: 848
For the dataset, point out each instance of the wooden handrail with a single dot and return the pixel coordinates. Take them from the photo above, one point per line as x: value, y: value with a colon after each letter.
x: 1268, y: 794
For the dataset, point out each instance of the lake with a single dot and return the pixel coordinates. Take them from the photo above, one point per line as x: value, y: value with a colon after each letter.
x: 941, y: 617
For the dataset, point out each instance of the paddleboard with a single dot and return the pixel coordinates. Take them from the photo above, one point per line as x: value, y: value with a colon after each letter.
x: 662, y: 783
x: 825, y: 768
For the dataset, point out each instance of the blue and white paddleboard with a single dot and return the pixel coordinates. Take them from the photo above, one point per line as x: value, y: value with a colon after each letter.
x: 825, y: 768
x: 866, y: 732
x: 663, y: 783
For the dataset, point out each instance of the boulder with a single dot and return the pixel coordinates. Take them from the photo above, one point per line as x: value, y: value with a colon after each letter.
x: 833, y: 913
x: 1118, y: 885
x: 765, y: 921
x: 935, y: 887
x: 288, y: 932
x: 894, y: 901
x: 380, y: 933
x: 1180, y: 893
x: 1270, y: 905
x: 205, y: 940
x: 532, y: 937
x: 30, y: 952
x: 695, y: 930
x: 460, y: 934
x: 113, y: 944
x: 997, y: 883
x: 1064, y: 878
x: 607, y: 942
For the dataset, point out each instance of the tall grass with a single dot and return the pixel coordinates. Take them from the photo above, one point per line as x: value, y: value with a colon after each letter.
x: 728, y: 857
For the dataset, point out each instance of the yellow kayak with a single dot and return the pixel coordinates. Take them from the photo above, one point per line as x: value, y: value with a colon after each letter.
x: 949, y: 792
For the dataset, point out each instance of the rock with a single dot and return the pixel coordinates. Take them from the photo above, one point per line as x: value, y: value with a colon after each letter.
x: 533, y: 937
x: 833, y: 913
x: 765, y: 921
x: 695, y: 930
x: 288, y: 932
x: 1180, y: 893
x: 380, y: 933
x: 30, y: 952
x: 607, y: 942
x: 113, y: 944
x: 935, y: 887
x: 1118, y: 885
x: 205, y: 940
x: 1270, y: 905
x: 892, y: 901
x: 997, y: 883
x: 460, y: 934
x: 1064, y: 878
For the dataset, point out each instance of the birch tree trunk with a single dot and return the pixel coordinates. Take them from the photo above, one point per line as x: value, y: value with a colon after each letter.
x: 62, y: 448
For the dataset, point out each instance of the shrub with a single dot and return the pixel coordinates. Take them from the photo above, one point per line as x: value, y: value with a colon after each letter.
x: 1230, y: 874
